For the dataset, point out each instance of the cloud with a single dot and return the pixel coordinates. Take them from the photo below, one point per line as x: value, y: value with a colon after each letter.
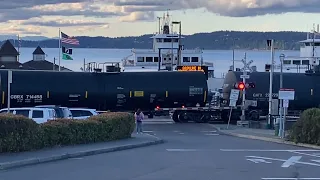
x: 14, y: 4
x: 62, y: 23
x: 14, y: 30
x: 138, y: 16
x: 24, y: 13
x: 132, y: 9
x: 233, y: 8
x: 85, y: 29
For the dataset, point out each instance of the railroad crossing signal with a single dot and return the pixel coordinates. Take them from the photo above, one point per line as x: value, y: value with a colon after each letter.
x: 241, y: 86
x: 247, y: 65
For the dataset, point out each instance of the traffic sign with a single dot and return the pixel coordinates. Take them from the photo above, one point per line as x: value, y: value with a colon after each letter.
x: 233, y: 103
x: 286, y: 94
x: 245, y: 76
x: 234, y: 95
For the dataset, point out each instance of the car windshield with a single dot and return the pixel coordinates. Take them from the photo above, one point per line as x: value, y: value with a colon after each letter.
x: 59, y: 112
x: 67, y: 112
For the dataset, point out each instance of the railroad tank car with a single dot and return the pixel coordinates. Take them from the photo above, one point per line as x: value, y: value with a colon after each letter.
x: 307, y: 88
x: 125, y: 91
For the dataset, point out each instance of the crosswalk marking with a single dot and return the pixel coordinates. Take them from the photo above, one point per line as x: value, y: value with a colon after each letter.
x: 148, y: 131
x: 208, y: 131
x: 211, y: 134
x: 205, y: 133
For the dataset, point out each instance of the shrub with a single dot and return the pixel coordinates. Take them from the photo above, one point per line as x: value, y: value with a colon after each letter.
x: 19, y: 133
x: 307, y: 128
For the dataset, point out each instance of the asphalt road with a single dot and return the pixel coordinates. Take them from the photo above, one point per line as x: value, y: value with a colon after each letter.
x: 192, y: 152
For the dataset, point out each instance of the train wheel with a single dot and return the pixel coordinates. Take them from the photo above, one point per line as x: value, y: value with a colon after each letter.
x: 184, y: 117
x: 224, y: 116
x: 254, y: 115
x: 150, y: 115
x: 175, y: 117
x: 205, y: 118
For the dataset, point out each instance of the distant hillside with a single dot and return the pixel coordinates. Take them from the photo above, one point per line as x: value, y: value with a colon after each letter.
x: 214, y: 40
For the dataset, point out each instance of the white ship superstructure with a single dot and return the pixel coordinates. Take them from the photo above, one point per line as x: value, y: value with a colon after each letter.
x: 167, y: 53
x: 309, y: 53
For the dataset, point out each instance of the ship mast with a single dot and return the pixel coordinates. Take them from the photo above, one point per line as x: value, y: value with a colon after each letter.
x: 313, y: 37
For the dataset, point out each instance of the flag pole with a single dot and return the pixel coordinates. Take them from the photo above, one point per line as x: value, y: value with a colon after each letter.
x: 59, y: 48
x: 18, y: 47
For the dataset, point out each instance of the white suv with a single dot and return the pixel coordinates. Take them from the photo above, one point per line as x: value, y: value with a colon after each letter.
x: 62, y: 112
x: 39, y: 115
x: 82, y: 113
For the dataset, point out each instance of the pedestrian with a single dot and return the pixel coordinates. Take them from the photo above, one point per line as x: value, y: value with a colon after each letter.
x: 139, y: 116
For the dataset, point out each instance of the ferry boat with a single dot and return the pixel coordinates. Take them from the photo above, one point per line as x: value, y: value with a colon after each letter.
x: 167, y: 53
x: 309, y: 54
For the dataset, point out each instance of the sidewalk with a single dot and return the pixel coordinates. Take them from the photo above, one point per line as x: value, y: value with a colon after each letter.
x: 12, y: 160
x: 258, y: 134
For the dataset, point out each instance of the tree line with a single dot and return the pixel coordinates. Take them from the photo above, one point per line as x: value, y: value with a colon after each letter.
x: 219, y: 40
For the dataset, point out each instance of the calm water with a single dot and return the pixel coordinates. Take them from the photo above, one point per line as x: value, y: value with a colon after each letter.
x: 222, y: 59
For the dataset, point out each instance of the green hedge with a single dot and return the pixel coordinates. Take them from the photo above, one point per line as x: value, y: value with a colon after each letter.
x: 307, y: 128
x: 18, y: 133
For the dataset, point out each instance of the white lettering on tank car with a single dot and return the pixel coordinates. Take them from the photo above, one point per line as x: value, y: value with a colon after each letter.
x: 16, y: 96
x: 38, y: 96
x: 274, y: 95
x: 257, y: 95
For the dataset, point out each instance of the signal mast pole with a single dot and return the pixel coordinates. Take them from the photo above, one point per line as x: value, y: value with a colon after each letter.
x: 243, y: 115
x: 244, y: 76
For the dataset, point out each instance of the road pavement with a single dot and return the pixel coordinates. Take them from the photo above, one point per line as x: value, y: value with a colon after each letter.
x: 191, y: 152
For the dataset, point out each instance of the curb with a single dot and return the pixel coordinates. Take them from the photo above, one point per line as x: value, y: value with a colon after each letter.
x: 33, y: 161
x: 279, y: 141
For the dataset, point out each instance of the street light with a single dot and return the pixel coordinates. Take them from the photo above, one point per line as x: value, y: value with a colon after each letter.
x: 179, y: 49
x: 233, y: 52
x: 281, y: 123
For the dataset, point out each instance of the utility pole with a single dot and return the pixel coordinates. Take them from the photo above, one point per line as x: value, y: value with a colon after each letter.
x: 281, y: 128
x: 233, y: 53
x: 233, y: 57
x: 271, y: 44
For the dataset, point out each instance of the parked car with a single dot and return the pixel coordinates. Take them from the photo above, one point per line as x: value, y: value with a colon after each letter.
x: 39, y: 115
x: 62, y: 112
x: 82, y: 113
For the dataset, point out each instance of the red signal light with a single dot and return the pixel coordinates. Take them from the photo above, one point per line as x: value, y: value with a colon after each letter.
x: 158, y: 107
x: 241, y: 86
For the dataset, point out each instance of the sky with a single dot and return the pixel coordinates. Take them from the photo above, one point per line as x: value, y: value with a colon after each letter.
x: 117, y: 18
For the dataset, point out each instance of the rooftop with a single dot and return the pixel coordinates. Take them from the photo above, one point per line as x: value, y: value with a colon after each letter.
x: 43, y: 65
x: 7, y: 49
x: 39, y: 51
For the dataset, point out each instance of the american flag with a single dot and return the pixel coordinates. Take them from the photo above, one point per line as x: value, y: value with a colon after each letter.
x: 68, y: 39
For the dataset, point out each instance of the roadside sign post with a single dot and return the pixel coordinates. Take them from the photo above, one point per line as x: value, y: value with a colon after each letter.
x: 270, y: 43
x: 234, y: 96
x: 285, y: 95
